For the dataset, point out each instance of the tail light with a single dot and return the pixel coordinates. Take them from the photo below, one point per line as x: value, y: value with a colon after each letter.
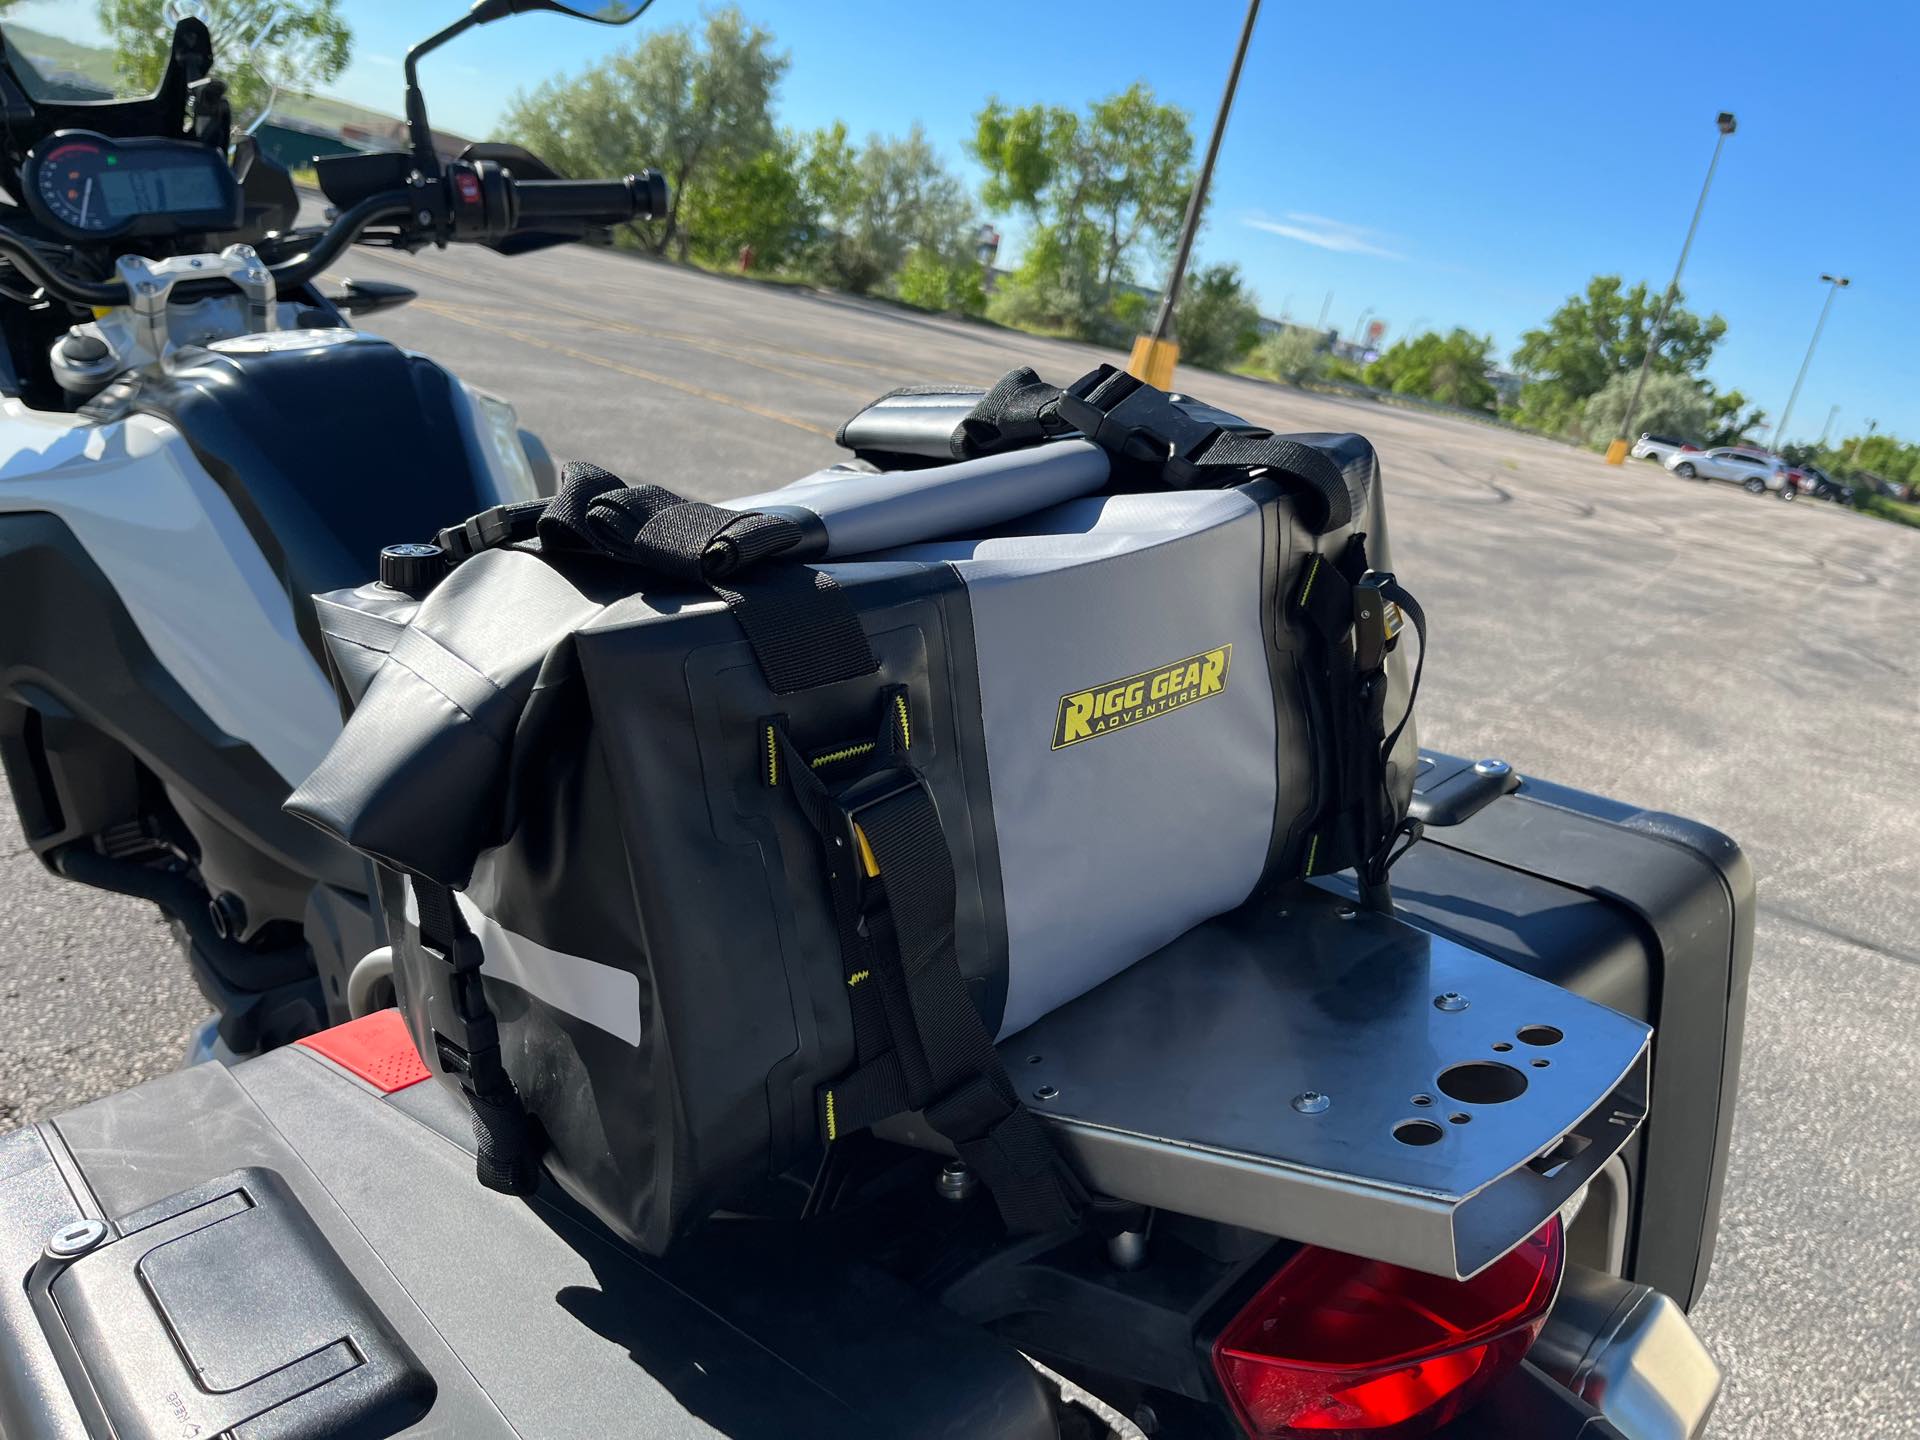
x: 1336, y: 1346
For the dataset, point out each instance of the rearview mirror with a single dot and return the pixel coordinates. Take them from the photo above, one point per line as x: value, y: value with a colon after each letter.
x: 615, y: 12
x: 485, y: 12
x: 363, y: 297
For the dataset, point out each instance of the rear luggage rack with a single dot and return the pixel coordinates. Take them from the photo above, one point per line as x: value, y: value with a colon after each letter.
x: 1306, y: 1069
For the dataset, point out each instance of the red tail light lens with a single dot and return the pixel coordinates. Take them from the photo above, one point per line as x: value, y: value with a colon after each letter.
x: 1337, y: 1346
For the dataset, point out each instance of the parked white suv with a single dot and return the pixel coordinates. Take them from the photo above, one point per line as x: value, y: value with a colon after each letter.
x: 1755, y: 470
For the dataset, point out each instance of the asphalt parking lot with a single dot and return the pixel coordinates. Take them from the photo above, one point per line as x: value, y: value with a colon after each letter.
x: 1684, y: 646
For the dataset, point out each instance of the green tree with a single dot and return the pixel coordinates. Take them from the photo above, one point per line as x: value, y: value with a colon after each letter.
x: 1670, y: 405
x: 1600, y: 334
x: 1884, y: 455
x: 758, y: 203
x: 1103, y: 190
x: 931, y: 281
x: 891, y: 198
x: 696, y: 107
x: 257, y: 48
x: 1293, y: 354
x: 1216, y: 321
x: 1731, y: 419
x: 1450, y: 368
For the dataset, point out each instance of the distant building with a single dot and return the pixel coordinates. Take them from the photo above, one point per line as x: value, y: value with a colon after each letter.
x: 296, y: 144
x: 390, y: 134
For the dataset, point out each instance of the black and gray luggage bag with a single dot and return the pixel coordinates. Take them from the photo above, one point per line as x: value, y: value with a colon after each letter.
x: 710, y: 834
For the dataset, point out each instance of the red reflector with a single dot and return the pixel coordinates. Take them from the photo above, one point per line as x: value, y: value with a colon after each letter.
x: 1335, y: 1345
x: 375, y: 1047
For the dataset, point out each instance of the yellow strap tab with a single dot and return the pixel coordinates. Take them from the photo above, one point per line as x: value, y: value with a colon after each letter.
x: 906, y: 735
x: 871, y: 865
x: 845, y: 752
x: 857, y: 976
x: 1312, y: 571
x: 1313, y: 849
x: 773, y: 759
x: 833, y: 1130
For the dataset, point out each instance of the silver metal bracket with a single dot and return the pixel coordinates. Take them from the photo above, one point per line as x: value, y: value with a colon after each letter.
x: 1307, y: 1070
x: 150, y: 284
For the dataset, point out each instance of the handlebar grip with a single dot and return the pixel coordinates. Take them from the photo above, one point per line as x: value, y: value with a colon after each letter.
x: 636, y: 197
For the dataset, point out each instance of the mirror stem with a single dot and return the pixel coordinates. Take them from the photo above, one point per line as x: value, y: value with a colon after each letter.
x: 417, y: 126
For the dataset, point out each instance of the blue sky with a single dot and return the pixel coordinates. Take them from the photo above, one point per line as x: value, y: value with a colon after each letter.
x: 1432, y: 164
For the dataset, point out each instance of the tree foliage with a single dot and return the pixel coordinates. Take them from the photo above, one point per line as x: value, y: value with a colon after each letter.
x: 1598, y: 335
x: 757, y: 204
x: 1675, y: 405
x: 1216, y: 321
x: 698, y: 107
x: 1103, y: 189
x: 891, y: 198
x: 932, y: 281
x: 1451, y: 368
x: 1293, y: 354
x: 257, y: 47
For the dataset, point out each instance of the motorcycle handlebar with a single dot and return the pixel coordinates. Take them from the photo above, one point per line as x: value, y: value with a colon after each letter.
x: 481, y: 203
x: 636, y: 197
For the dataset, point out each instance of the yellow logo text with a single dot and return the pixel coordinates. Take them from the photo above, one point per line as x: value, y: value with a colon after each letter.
x: 1087, y: 713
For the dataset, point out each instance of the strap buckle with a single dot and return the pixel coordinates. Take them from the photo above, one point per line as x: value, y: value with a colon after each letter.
x: 458, y: 1032
x: 476, y: 533
x: 863, y: 795
x: 1144, y: 424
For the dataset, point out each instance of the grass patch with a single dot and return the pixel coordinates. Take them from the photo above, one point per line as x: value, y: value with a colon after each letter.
x: 1897, y: 511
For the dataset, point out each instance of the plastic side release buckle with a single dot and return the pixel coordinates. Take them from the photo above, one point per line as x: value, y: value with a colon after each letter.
x: 376, y: 1048
x: 866, y: 793
x: 474, y: 534
x: 462, y: 1025
x: 1143, y: 425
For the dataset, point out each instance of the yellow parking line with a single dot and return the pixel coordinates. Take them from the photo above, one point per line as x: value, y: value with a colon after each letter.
x: 635, y: 371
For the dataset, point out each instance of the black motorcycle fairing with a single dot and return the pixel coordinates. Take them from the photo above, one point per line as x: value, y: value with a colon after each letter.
x: 266, y: 187
x: 68, y: 636
x: 29, y: 113
x: 328, y: 454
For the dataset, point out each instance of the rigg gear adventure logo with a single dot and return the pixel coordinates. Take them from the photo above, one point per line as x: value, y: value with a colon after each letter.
x: 1087, y: 714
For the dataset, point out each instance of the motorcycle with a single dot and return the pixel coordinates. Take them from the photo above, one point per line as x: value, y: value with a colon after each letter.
x: 194, y: 440
x: 294, y: 1245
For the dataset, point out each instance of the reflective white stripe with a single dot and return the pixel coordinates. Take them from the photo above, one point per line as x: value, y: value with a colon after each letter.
x: 604, y: 997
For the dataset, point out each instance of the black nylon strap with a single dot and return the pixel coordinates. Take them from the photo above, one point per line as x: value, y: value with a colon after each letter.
x: 1021, y: 409
x: 803, y: 630
x: 506, y: 1158
x: 1141, y: 424
x: 898, y: 938
x: 976, y: 1108
x: 1312, y: 471
x: 883, y: 991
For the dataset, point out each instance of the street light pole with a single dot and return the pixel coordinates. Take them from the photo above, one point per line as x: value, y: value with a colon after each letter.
x: 1835, y: 284
x: 1154, y: 354
x: 1827, y: 429
x: 1617, y: 451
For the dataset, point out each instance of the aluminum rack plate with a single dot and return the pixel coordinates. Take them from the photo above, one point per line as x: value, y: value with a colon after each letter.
x: 1339, y: 1078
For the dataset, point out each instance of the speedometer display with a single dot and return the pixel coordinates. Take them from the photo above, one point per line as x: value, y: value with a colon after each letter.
x: 91, y: 187
x: 66, y: 181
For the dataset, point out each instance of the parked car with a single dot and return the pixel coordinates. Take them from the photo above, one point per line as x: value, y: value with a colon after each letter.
x: 1754, y: 470
x: 1661, y: 448
x: 1823, y: 486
